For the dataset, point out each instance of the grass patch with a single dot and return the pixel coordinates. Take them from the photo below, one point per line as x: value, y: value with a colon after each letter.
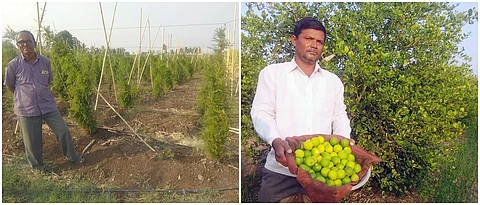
x: 204, y: 196
x: 21, y: 184
x: 458, y: 182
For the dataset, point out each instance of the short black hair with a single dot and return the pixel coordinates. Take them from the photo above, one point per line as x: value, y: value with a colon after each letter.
x: 25, y: 31
x: 306, y: 23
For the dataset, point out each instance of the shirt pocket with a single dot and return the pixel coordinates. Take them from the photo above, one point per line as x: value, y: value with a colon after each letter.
x: 43, y: 77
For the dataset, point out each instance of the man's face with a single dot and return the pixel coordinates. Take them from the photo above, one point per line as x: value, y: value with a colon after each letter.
x: 25, y: 43
x: 309, y: 45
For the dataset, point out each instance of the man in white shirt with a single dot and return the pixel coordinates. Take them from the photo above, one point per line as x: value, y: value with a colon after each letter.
x: 293, y: 99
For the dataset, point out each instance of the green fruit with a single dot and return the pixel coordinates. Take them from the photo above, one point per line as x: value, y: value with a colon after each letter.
x: 325, y: 171
x: 354, y: 178
x: 344, y: 143
x: 313, y: 175
x: 299, y: 153
x: 348, y: 150
x: 298, y: 160
x: 332, y: 175
x: 307, y: 153
x: 329, y: 148
x: 350, y: 164
x: 315, y: 151
x: 321, y: 148
x: 330, y: 182
x: 340, y: 166
x: 315, y: 141
x: 351, y: 157
x: 357, y: 168
x: 337, y: 148
x: 317, y: 167
x: 340, y: 174
x: 348, y: 171
x: 324, y: 162
x: 342, y: 154
x: 334, y: 169
x: 333, y: 141
x: 310, y: 161
x: 335, y: 160
x: 321, y: 139
x: 308, y: 145
x: 330, y: 165
x: 346, y: 180
x: 338, y: 182
x: 321, y: 178
x: 304, y: 167
x: 344, y: 161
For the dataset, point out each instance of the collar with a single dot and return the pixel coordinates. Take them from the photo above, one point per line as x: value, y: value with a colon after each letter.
x: 293, y: 65
x: 36, y: 55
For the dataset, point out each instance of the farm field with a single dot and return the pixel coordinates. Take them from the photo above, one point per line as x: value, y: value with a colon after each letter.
x: 124, y: 162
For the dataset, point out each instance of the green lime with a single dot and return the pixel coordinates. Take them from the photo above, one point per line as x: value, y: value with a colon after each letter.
x: 338, y: 182
x: 348, y: 150
x: 308, y: 145
x: 351, y: 157
x: 346, y: 180
x: 299, y: 153
x: 348, y: 171
x: 332, y: 174
x: 345, y: 143
x: 340, y: 174
x: 354, y: 178
x: 333, y: 141
x: 298, y: 160
x: 325, y: 171
x: 315, y: 141
x: 337, y: 148
x: 357, y: 168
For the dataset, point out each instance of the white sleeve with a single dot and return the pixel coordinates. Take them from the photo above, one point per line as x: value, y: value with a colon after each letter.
x: 263, y: 107
x: 340, y: 121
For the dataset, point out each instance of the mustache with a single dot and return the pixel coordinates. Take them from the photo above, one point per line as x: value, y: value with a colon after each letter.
x: 312, y: 50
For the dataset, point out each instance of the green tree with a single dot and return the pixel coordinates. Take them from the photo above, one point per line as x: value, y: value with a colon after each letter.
x: 212, y: 101
x: 405, y: 93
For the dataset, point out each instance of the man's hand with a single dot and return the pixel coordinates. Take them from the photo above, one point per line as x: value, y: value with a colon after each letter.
x: 281, y: 148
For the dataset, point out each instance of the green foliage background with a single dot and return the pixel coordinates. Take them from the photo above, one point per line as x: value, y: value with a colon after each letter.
x: 407, y: 96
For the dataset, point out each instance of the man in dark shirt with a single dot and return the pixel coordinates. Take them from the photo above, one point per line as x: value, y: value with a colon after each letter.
x: 29, y: 76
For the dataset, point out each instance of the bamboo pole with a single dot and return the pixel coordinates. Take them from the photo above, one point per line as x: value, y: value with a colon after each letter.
x: 163, y: 43
x: 140, y: 46
x: 136, y: 134
x: 148, y: 55
x: 233, y: 48
x: 39, y: 29
x: 107, y: 40
x: 138, y: 54
x: 109, y: 56
x: 149, y: 40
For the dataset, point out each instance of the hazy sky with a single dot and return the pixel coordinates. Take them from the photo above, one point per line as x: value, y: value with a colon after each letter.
x: 470, y: 44
x: 193, y: 24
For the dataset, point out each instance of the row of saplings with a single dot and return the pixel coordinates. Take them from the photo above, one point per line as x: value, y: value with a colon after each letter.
x: 331, y: 162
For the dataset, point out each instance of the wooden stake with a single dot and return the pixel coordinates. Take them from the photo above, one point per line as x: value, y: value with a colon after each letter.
x: 88, y: 146
x: 148, y: 55
x: 39, y: 38
x: 136, y: 134
x: 107, y: 40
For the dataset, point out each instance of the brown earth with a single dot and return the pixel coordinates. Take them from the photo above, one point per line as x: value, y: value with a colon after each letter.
x: 251, y: 178
x: 120, y: 160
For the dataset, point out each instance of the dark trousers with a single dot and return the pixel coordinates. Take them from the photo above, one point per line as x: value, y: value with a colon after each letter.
x: 31, y: 129
x: 277, y: 186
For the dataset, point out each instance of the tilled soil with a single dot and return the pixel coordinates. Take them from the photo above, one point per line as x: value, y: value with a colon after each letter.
x: 119, y: 159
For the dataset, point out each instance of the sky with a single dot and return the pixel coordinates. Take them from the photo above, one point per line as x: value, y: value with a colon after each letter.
x: 189, y: 24
x: 470, y: 44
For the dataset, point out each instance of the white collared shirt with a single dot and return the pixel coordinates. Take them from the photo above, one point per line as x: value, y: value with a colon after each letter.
x: 288, y: 103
